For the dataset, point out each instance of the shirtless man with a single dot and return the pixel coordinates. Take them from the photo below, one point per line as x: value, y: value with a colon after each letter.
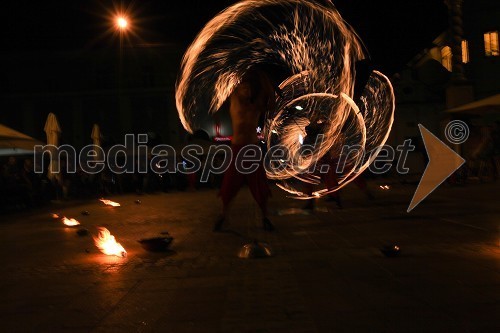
x: 253, y: 96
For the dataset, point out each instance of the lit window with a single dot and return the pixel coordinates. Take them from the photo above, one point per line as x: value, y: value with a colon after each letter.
x: 491, y: 44
x: 465, y: 51
x: 446, y: 56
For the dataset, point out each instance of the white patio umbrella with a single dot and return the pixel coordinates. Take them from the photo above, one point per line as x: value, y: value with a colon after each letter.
x: 13, y: 142
x: 53, y: 131
x: 483, y: 106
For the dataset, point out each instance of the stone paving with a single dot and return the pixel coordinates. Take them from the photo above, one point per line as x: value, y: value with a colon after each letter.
x: 328, y: 274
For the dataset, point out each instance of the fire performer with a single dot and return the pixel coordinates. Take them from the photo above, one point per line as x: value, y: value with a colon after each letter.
x: 330, y: 180
x: 331, y: 159
x: 316, y: 128
x: 310, y: 44
x: 250, y: 99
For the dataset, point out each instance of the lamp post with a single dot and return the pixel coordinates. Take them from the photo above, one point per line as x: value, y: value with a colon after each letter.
x: 121, y: 25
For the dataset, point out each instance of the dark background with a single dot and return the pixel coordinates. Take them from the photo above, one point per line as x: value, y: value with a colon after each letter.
x: 393, y: 30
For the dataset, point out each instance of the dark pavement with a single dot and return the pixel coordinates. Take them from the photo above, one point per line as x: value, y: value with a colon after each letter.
x: 328, y: 274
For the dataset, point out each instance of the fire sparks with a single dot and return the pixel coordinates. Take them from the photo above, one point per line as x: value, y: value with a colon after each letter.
x: 110, y: 203
x: 384, y: 187
x: 107, y: 244
x: 70, y: 222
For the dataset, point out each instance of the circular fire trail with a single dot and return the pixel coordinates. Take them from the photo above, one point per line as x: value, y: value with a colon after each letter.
x: 314, y: 53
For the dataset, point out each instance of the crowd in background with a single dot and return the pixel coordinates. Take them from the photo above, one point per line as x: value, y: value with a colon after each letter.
x: 482, y: 153
x: 21, y: 187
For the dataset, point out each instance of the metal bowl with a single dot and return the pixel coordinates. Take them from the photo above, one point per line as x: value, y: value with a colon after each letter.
x: 256, y: 249
x: 391, y: 250
x: 82, y: 232
x: 156, y: 244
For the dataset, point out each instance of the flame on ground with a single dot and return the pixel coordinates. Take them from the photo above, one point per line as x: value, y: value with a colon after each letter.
x: 107, y: 244
x: 110, y: 203
x: 70, y: 222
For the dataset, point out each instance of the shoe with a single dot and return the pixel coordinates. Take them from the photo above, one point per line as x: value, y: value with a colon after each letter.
x: 369, y: 195
x: 336, y: 199
x: 267, y: 225
x: 218, y: 225
x: 339, y: 203
x: 309, y: 205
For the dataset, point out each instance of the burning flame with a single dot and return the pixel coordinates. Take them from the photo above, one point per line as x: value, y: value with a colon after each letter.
x: 55, y: 216
x: 110, y: 203
x: 108, y: 245
x: 70, y: 222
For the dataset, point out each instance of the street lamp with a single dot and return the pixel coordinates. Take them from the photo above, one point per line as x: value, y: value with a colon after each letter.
x: 121, y: 23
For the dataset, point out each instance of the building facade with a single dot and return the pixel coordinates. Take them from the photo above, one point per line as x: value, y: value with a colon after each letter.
x: 423, y: 87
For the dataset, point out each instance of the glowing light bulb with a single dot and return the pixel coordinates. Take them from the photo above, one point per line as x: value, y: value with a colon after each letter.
x: 122, y: 22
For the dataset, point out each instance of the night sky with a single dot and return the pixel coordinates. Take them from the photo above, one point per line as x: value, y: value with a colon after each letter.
x: 393, y: 30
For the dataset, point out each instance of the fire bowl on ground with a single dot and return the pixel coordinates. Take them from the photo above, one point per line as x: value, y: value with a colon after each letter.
x: 156, y: 244
x: 391, y: 251
x: 82, y: 232
x: 255, y: 250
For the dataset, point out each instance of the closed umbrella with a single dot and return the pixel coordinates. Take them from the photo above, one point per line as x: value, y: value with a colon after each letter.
x: 96, y: 140
x: 53, y: 131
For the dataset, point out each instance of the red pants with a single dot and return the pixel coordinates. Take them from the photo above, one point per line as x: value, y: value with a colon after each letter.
x: 192, y: 180
x: 233, y: 180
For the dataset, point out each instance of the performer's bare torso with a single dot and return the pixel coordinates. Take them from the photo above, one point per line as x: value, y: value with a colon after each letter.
x: 253, y: 96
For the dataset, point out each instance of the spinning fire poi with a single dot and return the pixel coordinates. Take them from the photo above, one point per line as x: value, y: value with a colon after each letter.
x: 313, y: 52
